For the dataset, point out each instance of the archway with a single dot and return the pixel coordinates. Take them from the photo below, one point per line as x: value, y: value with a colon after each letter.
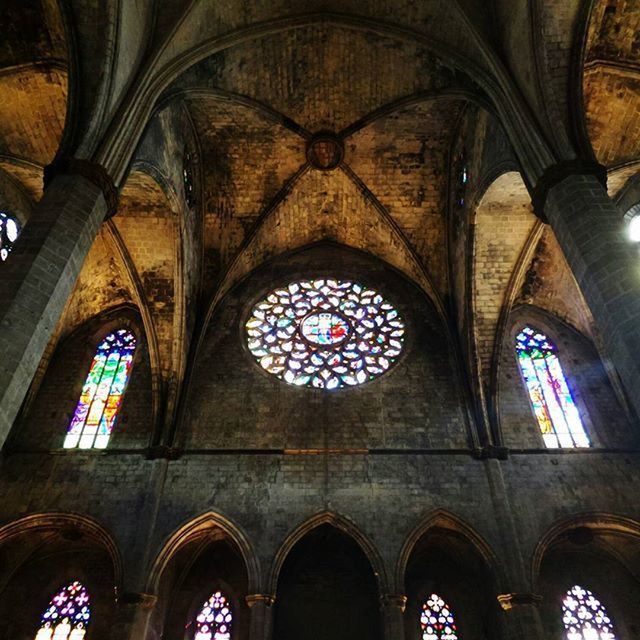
x: 327, y: 590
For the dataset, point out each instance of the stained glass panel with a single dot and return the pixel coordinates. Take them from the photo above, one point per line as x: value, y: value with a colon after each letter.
x: 9, y: 232
x: 103, y: 391
x: 551, y: 399
x: 437, y: 621
x: 585, y: 617
x: 67, y: 616
x: 215, y: 619
x: 325, y: 333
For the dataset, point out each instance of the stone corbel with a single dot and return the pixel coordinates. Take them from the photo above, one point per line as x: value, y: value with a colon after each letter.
x: 509, y: 601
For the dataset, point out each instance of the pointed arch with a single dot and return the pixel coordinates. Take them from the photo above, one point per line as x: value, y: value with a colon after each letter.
x: 596, y: 521
x: 341, y: 523
x: 72, y: 524
x: 444, y: 519
x: 209, y: 521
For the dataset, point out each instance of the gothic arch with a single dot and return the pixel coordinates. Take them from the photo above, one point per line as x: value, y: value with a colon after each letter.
x: 444, y: 519
x: 209, y: 521
x: 594, y: 521
x: 66, y: 522
x: 342, y: 524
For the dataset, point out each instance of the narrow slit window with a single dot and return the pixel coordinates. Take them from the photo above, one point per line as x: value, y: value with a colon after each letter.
x: 437, y: 621
x: 215, y: 619
x: 103, y: 391
x: 551, y: 399
x: 585, y: 617
x: 67, y: 616
x: 9, y: 232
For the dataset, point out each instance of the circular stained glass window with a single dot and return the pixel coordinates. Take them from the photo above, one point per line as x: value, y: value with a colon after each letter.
x: 325, y: 333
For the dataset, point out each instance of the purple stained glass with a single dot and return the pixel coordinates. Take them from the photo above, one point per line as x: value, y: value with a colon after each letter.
x: 97, y: 409
x: 551, y: 399
x: 215, y: 619
x: 67, y: 616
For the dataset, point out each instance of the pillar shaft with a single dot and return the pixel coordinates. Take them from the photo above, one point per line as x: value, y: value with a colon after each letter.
x: 591, y: 232
x: 38, y: 279
x: 392, y: 608
x: 261, y: 616
x: 132, y: 619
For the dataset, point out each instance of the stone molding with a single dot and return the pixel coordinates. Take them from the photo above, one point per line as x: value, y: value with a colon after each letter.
x: 511, y: 600
x: 258, y: 598
x: 390, y: 600
x: 555, y: 174
x: 92, y: 171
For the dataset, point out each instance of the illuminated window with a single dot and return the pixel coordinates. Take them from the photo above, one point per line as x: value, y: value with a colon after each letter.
x: 215, y: 619
x: 551, y: 399
x: 585, y: 617
x: 436, y: 620
x: 325, y: 334
x: 9, y: 232
x: 632, y: 218
x: 67, y: 615
x: 102, y: 394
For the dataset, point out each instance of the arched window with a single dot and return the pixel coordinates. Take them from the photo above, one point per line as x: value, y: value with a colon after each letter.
x: 215, y: 619
x: 551, y: 399
x: 436, y: 620
x: 9, y: 232
x: 585, y: 617
x: 102, y: 394
x: 67, y: 615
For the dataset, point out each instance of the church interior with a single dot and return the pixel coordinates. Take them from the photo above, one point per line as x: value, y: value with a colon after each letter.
x: 320, y: 321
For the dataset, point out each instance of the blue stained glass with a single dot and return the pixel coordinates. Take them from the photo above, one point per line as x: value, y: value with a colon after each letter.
x: 9, y: 232
x: 437, y: 621
x: 585, y: 617
x: 103, y: 391
x: 67, y: 616
x: 551, y: 399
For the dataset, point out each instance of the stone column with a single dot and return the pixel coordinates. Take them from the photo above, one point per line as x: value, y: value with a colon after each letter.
x: 133, y: 613
x: 521, y: 616
x: 392, y: 608
x: 41, y: 271
x: 261, y: 616
x: 606, y: 265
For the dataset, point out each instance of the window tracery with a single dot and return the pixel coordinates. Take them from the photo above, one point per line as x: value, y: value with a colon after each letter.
x: 325, y: 333
x: 437, y: 621
x: 585, y: 617
x: 551, y: 399
x: 9, y: 232
x: 215, y: 619
x: 103, y: 391
x: 67, y: 616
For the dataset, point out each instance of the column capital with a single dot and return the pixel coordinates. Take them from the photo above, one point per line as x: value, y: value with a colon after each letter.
x: 511, y: 600
x: 142, y: 600
x: 257, y: 598
x: 556, y: 173
x: 92, y: 171
x: 391, y: 600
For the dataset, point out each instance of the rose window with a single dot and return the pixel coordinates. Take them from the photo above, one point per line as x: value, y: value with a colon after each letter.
x: 325, y: 334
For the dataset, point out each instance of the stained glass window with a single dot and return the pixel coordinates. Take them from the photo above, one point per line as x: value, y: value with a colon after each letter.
x: 67, y: 616
x: 436, y: 620
x: 585, y: 617
x: 325, y: 333
x: 102, y: 394
x: 215, y: 619
x: 187, y: 179
x: 9, y: 232
x: 552, y: 402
